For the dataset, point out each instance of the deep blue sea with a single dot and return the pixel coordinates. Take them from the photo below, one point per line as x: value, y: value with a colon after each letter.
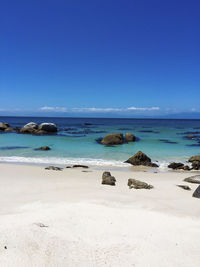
x: 163, y: 140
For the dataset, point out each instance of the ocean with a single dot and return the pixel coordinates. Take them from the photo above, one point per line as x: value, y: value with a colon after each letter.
x: 163, y: 140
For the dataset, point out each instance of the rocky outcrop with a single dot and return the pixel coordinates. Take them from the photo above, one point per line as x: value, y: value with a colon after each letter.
x: 108, y: 179
x: 185, y: 187
x: 29, y: 128
x: 197, y: 192
x: 141, y: 159
x: 117, y: 139
x: 48, y: 127
x: 113, y: 139
x: 43, y: 128
x: 193, y: 179
x: 178, y: 166
x: 195, y: 160
x: 5, y: 127
x: 136, y: 184
x: 129, y: 137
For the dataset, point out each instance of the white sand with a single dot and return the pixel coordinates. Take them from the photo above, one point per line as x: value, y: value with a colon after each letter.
x: 90, y: 224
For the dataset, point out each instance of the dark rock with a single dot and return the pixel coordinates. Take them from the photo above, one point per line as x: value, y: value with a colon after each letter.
x: 197, y: 192
x: 191, y: 136
x: 5, y: 127
x: 29, y: 128
x: 108, y: 179
x: 136, y: 184
x: 113, y: 139
x: 176, y: 166
x: 43, y: 128
x: 193, y: 179
x: 149, y: 131
x: 195, y: 160
x: 129, y: 137
x: 68, y: 167
x: 166, y: 141
x: 185, y: 187
x: 141, y: 159
x: 48, y: 127
x: 54, y: 168
x: 80, y: 166
x: 186, y: 168
x: 43, y: 148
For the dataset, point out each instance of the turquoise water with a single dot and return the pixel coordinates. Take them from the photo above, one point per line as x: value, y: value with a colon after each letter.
x: 162, y: 140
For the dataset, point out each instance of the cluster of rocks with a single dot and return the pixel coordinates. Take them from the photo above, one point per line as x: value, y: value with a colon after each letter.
x: 5, y: 127
x: 141, y: 158
x: 118, y: 139
x: 178, y: 166
x: 43, y: 128
x: 54, y: 168
x: 195, y: 162
x: 31, y: 128
x: 108, y: 179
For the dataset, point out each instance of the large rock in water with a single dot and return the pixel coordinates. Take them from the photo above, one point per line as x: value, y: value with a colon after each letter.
x: 141, y: 159
x: 5, y: 127
x: 129, y: 137
x: 197, y: 192
x: 113, y: 139
x: 48, y: 127
x: 136, y: 184
x: 43, y: 128
x: 30, y: 127
x: 108, y: 179
x: 195, y: 160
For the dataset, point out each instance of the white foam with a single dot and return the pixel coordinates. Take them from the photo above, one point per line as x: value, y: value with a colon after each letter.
x: 61, y: 161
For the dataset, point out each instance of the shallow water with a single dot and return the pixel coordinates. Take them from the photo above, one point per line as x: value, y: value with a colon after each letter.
x: 162, y: 140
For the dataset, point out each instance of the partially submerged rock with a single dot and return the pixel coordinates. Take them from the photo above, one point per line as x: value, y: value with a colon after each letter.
x: 129, y: 137
x: 43, y: 128
x: 113, y: 139
x: 5, y: 127
x: 136, y: 184
x: 195, y: 160
x: 43, y: 148
x: 108, y: 179
x: 48, y: 127
x: 185, y: 187
x: 54, y: 168
x: 117, y: 139
x: 197, y: 192
x: 141, y: 159
x: 178, y: 166
x: 193, y: 179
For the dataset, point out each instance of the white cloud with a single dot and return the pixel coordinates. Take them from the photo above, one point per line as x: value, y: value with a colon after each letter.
x: 54, y: 109
x: 93, y: 109
x: 144, y: 109
x: 96, y: 109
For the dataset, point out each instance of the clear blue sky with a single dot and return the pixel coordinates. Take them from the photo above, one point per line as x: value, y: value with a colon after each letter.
x: 99, y: 57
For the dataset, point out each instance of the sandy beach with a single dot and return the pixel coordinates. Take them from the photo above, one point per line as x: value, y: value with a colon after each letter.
x: 68, y: 218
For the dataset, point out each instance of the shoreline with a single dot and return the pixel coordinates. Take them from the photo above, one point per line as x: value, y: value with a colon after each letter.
x: 127, y: 167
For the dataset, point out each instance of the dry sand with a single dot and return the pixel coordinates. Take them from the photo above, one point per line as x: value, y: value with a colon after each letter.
x: 89, y: 224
